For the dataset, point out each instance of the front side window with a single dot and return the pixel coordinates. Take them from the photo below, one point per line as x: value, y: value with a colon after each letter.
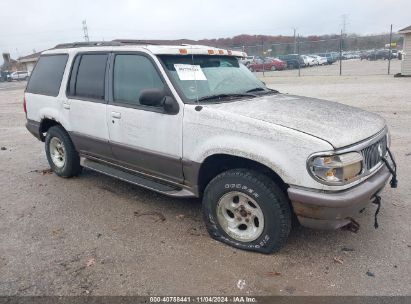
x: 89, y: 77
x: 210, y: 76
x: 47, y: 75
x: 132, y: 74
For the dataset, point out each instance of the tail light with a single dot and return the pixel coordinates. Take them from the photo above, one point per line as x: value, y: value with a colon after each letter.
x: 24, y: 105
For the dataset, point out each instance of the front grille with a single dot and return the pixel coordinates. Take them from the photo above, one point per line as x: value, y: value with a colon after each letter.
x: 373, y: 153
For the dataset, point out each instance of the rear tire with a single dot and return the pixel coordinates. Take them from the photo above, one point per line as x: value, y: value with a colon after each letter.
x: 234, y: 199
x: 61, y: 154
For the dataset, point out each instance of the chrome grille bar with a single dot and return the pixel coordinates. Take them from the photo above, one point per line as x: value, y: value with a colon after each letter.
x: 373, y: 153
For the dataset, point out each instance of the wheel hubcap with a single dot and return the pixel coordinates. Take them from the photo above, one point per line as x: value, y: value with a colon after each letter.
x: 240, y: 216
x: 57, y: 152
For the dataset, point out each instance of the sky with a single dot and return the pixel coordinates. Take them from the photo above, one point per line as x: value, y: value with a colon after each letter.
x: 27, y: 25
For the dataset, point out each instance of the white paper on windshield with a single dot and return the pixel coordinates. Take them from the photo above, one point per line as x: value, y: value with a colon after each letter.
x: 189, y: 72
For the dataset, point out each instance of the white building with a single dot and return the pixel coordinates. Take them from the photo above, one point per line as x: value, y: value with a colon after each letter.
x: 406, y: 60
x: 29, y: 61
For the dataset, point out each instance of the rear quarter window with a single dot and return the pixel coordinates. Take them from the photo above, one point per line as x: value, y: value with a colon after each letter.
x: 47, y: 75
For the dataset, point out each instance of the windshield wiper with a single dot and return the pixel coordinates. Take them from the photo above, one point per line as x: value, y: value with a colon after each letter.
x: 255, y: 90
x: 260, y: 89
x: 220, y: 96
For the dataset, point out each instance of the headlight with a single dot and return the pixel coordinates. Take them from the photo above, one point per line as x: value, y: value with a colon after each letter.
x: 335, y: 169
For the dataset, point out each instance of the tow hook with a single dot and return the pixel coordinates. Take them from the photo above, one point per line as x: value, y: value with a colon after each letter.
x: 352, y: 226
x: 376, y: 201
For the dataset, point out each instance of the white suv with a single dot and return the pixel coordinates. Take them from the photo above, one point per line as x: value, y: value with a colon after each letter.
x: 190, y: 121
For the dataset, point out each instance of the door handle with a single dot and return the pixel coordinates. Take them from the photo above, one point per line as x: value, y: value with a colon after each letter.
x: 116, y: 115
x: 66, y: 105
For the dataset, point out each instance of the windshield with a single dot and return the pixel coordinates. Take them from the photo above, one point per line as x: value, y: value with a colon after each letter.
x: 200, y: 77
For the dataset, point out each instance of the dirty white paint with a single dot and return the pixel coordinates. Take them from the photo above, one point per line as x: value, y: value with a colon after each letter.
x: 338, y: 124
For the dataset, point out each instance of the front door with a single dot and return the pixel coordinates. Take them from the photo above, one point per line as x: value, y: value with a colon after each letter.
x: 141, y: 137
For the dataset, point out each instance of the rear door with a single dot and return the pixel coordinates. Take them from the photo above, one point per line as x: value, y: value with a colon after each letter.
x: 85, y: 105
x: 144, y: 138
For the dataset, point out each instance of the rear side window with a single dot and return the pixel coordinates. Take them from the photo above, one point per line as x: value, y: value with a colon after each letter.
x: 47, y: 75
x: 88, y: 76
x: 132, y: 74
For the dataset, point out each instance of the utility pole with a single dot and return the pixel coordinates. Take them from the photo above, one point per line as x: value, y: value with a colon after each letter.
x: 344, y: 23
x: 341, y: 47
x: 85, y: 31
x: 295, y: 41
x: 298, y: 57
x: 262, y: 53
x: 389, y: 55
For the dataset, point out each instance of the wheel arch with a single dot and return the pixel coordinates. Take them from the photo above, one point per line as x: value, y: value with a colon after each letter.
x: 217, y: 163
x: 45, y: 125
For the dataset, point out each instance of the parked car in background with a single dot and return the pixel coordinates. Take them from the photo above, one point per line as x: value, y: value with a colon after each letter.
x: 293, y: 61
x: 247, y: 60
x: 383, y: 54
x: 5, y: 76
x: 364, y: 55
x: 348, y: 55
x: 267, y: 65
x: 314, y: 59
x: 19, y: 75
x: 378, y: 54
x: 320, y: 60
x: 329, y: 56
x: 309, y: 61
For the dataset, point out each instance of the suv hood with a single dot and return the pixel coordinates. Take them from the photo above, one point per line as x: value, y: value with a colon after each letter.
x: 338, y: 124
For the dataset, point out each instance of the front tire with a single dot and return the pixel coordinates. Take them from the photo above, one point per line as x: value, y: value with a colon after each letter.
x: 247, y: 210
x: 61, y: 154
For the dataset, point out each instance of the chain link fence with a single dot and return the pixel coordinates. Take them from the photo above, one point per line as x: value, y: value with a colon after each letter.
x: 333, y: 55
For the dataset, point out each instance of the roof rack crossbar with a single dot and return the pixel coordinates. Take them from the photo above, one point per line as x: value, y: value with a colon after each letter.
x: 85, y: 44
x: 135, y: 41
x: 116, y: 42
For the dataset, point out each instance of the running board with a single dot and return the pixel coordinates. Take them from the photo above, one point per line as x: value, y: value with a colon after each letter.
x: 135, y: 178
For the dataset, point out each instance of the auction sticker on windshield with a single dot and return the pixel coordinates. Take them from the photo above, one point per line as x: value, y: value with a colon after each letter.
x: 189, y: 72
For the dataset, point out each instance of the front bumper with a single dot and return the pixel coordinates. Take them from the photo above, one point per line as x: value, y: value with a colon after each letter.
x: 332, y: 210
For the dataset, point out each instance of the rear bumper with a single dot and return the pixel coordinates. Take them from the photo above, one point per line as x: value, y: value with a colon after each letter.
x: 34, y: 128
x: 332, y: 210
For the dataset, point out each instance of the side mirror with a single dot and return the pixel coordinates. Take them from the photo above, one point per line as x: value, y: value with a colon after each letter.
x: 158, y: 98
x: 152, y: 97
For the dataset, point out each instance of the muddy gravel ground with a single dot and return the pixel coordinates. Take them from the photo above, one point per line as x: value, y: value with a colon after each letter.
x: 99, y: 236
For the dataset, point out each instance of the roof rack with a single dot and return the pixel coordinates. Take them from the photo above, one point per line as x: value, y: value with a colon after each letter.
x: 134, y: 41
x: 86, y: 44
x: 116, y: 42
